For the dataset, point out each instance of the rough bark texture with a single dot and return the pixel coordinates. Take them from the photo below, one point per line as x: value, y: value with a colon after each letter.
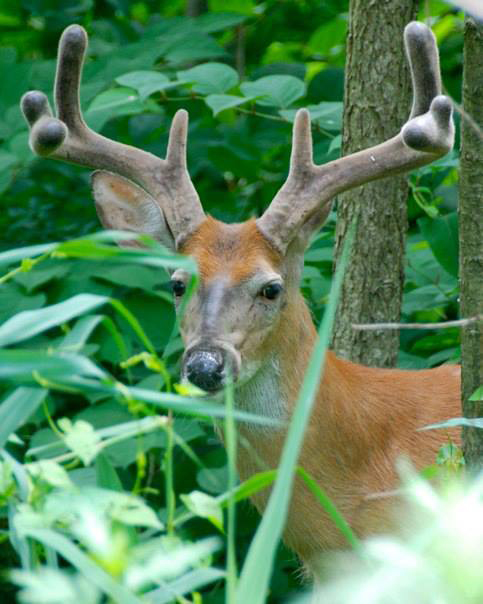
x: 471, y: 237
x: 376, y: 104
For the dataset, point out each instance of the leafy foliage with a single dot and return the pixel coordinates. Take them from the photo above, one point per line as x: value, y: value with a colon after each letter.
x: 89, y: 343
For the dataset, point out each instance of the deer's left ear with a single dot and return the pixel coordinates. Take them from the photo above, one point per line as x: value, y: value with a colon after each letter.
x: 122, y: 205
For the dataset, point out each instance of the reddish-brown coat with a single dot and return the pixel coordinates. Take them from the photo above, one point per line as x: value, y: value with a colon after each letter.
x: 363, y: 418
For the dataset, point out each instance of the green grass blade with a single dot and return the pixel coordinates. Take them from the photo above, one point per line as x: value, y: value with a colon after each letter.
x: 255, y: 576
x: 29, y: 323
x: 230, y: 441
x: 329, y: 506
x: 17, y: 408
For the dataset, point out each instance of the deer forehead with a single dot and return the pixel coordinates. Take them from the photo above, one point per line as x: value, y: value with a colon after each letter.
x: 232, y: 252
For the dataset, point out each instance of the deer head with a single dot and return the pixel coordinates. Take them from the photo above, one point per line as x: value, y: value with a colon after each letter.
x: 249, y: 272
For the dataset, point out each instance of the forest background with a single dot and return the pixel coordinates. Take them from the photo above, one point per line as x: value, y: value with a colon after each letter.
x: 241, y: 68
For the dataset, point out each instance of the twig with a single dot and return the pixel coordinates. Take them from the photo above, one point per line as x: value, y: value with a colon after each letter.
x: 442, y: 325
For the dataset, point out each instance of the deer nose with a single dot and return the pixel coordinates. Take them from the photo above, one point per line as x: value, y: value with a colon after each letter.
x: 204, y: 368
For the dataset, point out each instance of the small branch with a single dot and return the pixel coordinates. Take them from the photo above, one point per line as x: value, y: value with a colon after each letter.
x: 443, y: 325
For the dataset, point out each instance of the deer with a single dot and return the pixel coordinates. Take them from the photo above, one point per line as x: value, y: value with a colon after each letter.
x: 248, y: 319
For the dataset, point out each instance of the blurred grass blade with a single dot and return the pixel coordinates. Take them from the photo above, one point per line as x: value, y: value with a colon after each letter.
x: 29, y: 323
x: 191, y: 406
x: 80, y: 333
x: 193, y: 579
x: 18, y: 254
x: 21, y: 364
x: 330, y: 508
x: 17, y: 408
x: 255, y: 576
x: 84, y: 564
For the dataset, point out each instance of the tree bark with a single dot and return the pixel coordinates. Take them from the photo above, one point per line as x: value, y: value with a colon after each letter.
x: 376, y: 104
x: 471, y: 236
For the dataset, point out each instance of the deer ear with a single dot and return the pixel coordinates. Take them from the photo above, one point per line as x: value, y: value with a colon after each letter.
x: 122, y: 205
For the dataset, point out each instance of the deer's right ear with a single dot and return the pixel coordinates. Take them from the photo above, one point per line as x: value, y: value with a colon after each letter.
x: 122, y: 205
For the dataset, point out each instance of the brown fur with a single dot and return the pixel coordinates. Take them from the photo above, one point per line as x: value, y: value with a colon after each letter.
x: 363, y: 418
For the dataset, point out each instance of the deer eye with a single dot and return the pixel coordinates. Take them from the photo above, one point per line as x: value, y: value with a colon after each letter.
x: 271, y: 291
x: 178, y: 287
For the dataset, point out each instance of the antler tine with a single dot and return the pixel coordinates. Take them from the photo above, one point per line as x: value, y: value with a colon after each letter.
x: 427, y: 135
x: 68, y: 138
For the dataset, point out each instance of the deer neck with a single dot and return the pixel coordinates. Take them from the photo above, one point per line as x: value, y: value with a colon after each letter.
x: 273, y: 389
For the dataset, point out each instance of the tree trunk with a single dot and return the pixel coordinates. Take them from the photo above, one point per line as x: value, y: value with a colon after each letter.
x: 376, y: 104
x: 471, y: 236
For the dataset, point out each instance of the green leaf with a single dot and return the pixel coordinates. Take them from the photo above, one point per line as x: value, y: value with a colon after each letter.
x: 22, y: 363
x: 115, y: 103
x: 213, y: 22
x: 29, y: 323
x: 144, y: 82
x: 50, y: 472
x: 219, y: 102
x: 204, y: 506
x: 81, y: 438
x: 477, y: 394
x: 328, y: 38
x: 275, y: 90
x: 17, y: 408
x: 12, y: 256
x: 210, y: 78
x: 327, y: 115
x: 442, y: 235
x: 106, y: 474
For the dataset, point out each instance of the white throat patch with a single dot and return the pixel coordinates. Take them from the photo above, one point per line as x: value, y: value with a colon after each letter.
x: 261, y: 395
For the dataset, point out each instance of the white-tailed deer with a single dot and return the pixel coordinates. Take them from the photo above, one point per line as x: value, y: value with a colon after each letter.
x: 248, y: 314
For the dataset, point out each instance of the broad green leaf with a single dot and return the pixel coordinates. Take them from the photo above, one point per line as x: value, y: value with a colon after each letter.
x: 210, y: 78
x: 23, y: 363
x: 81, y: 438
x: 17, y: 408
x: 442, y: 235
x: 213, y: 22
x: 327, y: 115
x: 255, y: 575
x: 144, y: 82
x: 204, y: 506
x: 29, y: 323
x: 195, y: 46
x: 116, y: 102
x: 219, y: 102
x: 329, y: 38
x: 81, y: 561
x: 275, y: 90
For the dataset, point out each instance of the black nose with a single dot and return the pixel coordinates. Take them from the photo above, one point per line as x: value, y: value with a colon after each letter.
x: 204, y: 368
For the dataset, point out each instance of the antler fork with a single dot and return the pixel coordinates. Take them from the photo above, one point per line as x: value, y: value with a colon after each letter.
x: 427, y: 135
x: 67, y: 137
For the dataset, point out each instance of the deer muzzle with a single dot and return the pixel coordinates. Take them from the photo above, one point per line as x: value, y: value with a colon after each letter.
x: 207, y: 367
